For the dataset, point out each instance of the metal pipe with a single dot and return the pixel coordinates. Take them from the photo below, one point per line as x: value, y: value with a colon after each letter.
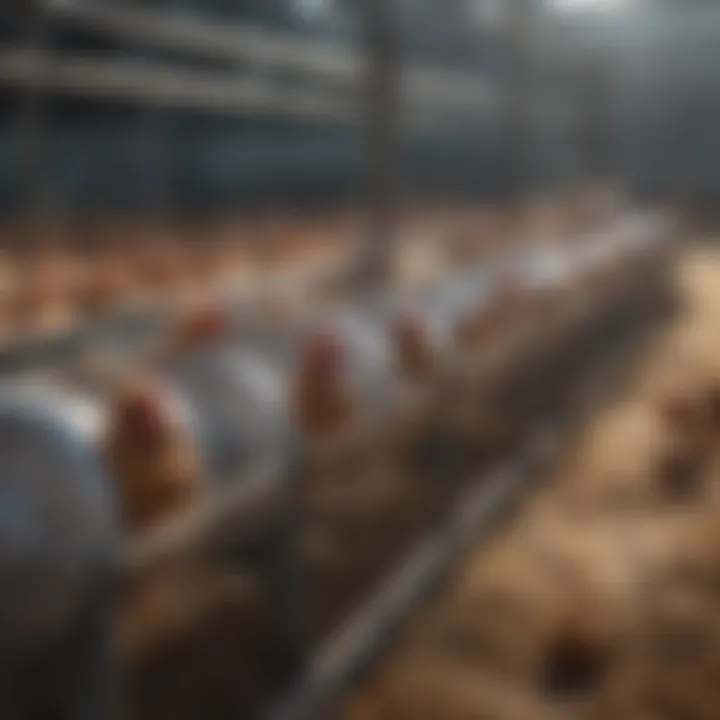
x: 519, y: 97
x: 596, y: 121
x: 258, y: 48
x: 32, y: 118
x: 382, y: 102
x: 153, y: 83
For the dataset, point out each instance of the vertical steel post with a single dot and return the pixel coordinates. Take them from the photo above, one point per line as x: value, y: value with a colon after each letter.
x: 518, y: 122
x: 158, y: 124
x: 382, y: 105
x: 595, y: 133
x: 32, y: 118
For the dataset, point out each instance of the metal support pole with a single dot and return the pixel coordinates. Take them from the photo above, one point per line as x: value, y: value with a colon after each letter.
x: 382, y: 95
x: 519, y: 94
x: 596, y: 122
x: 160, y: 163
x: 32, y: 118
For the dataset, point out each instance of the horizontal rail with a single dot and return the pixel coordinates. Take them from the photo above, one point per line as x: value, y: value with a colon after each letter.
x: 319, y: 59
x: 161, y: 85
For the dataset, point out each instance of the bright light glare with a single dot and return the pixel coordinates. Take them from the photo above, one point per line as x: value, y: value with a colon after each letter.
x: 489, y: 13
x: 314, y: 9
x: 604, y: 6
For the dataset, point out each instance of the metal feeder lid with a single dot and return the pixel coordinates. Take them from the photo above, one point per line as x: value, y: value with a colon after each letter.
x: 364, y: 334
x: 547, y: 269
x: 596, y: 253
x: 59, y: 533
x: 237, y: 399
x: 437, y: 334
x: 644, y: 233
x: 448, y: 303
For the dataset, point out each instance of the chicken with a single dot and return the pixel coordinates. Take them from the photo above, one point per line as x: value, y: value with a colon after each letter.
x: 414, y: 357
x: 162, y: 268
x: 695, y: 417
x: 200, y: 325
x: 582, y: 212
x: 414, y: 421
x: 235, y: 267
x: 44, y: 301
x: 446, y: 689
x: 9, y: 287
x: 322, y: 403
x: 183, y: 260
x: 541, y: 222
x: 177, y: 628
x: 521, y: 615
x: 490, y: 346
x: 501, y: 321
x: 150, y: 454
x: 325, y: 413
x: 692, y: 421
x: 209, y: 263
x: 149, y: 446
x: 577, y: 657
x: 464, y: 246
x: 105, y: 282
x: 477, y: 327
x: 196, y: 327
x: 360, y: 503
x: 486, y: 227
x: 415, y: 440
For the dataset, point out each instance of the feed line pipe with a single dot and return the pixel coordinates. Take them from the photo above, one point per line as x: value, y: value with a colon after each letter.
x: 518, y: 104
x: 382, y: 123
x: 36, y: 201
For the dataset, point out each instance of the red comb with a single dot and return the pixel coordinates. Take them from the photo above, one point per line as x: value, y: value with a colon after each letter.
x: 143, y: 409
x: 410, y: 322
x: 204, y: 323
x: 411, y: 327
x: 325, y: 352
x: 513, y: 292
